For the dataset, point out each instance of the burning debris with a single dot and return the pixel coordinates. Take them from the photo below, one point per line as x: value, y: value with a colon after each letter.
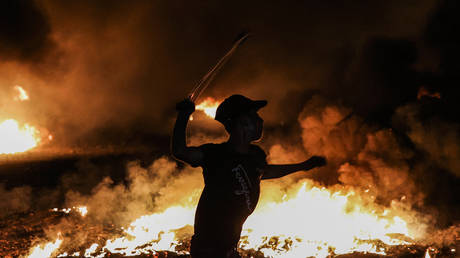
x: 82, y: 210
x: 335, y: 222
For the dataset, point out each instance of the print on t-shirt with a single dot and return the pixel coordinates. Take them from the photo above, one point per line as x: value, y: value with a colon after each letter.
x: 245, y: 184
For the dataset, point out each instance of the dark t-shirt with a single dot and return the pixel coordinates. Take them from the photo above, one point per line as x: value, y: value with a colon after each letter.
x: 230, y: 194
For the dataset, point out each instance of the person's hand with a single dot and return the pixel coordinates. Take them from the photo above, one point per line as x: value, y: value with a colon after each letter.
x: 186, y: 107
x: 314, y: 161
x: 318, y: 161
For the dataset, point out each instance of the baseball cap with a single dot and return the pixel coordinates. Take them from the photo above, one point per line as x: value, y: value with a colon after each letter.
x: 236, y: 105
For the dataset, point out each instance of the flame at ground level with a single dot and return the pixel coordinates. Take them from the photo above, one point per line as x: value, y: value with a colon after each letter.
x: 318, y: 222
x: 307, y: 221
x: 46, y: 250
x: 208, y: 106
x: 15, y: 138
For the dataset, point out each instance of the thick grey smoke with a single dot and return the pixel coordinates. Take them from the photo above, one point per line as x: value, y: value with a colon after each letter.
x: 438, y: 139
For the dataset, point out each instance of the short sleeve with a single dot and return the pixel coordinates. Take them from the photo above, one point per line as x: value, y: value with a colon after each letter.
x: 206, y: 151
x: 261, y: 156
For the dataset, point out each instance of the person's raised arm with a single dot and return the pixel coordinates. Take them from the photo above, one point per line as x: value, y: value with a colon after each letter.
x: 179, y: 149
x: 277, y: 171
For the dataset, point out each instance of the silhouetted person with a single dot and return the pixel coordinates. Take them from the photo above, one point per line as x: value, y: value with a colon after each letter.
x: 232, y: 172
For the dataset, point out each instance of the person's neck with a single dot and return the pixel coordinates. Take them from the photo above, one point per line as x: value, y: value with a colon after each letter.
x: 239, y: 145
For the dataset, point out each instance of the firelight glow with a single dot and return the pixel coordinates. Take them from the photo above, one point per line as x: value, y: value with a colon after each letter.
x: 208, y: 106
x: 22, y: 94
x: 308, y: 221
x: 15, y: 138
x: 46, y: 250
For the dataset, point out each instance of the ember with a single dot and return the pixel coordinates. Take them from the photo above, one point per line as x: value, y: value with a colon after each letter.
x: 81, y: 209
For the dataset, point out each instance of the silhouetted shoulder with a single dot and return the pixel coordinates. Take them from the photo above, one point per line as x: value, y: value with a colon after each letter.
x: 209, y: 147
x: 208, y: 150
x: 258, y: 152
x: 257, y: 149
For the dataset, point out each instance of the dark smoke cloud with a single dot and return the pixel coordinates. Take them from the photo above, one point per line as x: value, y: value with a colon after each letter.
x: 24, y: 31
x: 122, y: 65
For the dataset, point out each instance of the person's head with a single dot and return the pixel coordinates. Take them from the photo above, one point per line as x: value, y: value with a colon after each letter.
x: 239, y: 116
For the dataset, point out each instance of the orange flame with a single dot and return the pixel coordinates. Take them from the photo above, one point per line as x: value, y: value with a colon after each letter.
x: 427, y: 253
x: 310, y: 220
x: 208, y: 106
x: 22, y: 94
x: 47, y: 250
x: 15, y: 138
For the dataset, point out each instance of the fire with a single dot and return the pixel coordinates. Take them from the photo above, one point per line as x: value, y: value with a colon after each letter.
x: 307, y: 221
x: 47, y: 249
x: 82, y: 210
x: 424, y: 92
x: 156, y: 229
x: 208, y: 106
x: 22, y: 94
x: 312, y: 222
x: 427, y: 253
x: 91, y: 250
x: 316, y: 220
x: 15, y: 138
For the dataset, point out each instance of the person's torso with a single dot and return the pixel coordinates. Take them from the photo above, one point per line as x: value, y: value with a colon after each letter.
x: 231, y: 192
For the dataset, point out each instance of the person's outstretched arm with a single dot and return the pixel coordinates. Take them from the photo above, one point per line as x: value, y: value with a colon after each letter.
x: 277, y: 171
x: 179, y: 149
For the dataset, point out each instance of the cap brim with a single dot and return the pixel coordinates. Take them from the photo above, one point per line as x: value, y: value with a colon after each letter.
x: 258, y: 104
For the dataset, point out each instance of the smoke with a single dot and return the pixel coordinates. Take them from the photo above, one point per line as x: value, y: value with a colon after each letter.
x: 341, y: 81
x: 383, y: 167
x: 438, y: 139
x: 14, y: 200
x: 24, y: 32
x: 114, y: 69
x: 358, y: 155
x: 146, y: 190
